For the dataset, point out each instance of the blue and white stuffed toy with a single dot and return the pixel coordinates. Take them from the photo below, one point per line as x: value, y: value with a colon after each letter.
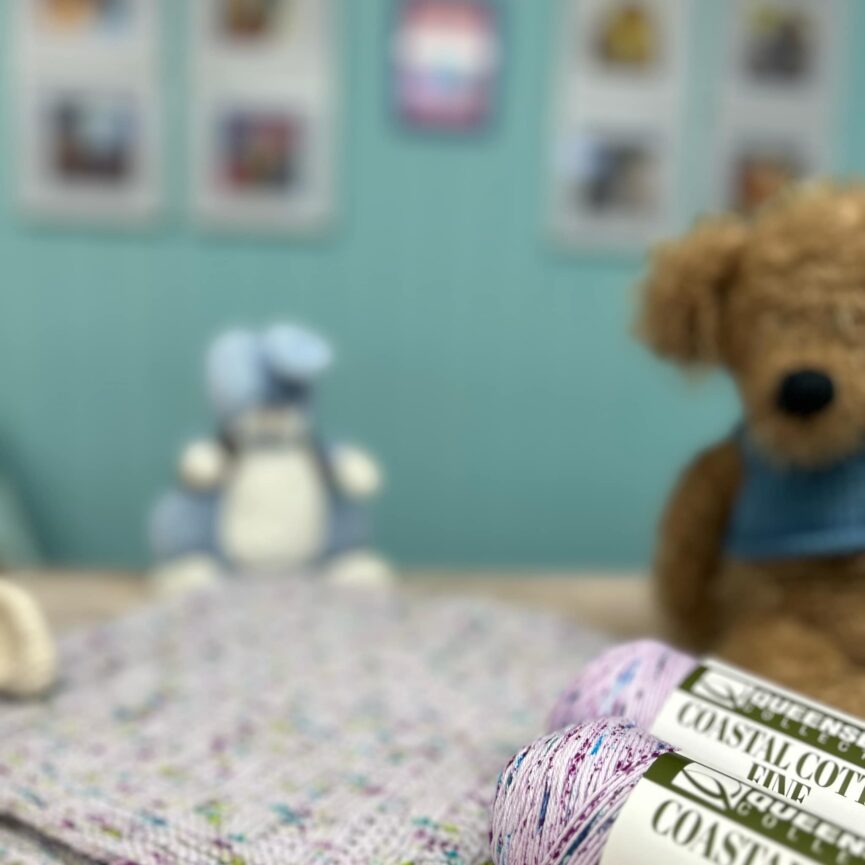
x: 268, y: 496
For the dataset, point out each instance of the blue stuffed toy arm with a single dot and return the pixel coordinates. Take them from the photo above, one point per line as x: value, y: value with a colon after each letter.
x: 182, y: 520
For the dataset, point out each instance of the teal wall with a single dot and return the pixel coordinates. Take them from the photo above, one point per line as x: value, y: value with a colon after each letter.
x: 493, y: 374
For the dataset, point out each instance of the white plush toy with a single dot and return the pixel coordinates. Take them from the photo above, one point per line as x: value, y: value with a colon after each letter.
x: 267, y: 495
x: 28, y: 656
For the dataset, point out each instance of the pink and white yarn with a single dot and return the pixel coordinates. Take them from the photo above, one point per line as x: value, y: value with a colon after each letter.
x: 558, y: 799
x: 631, y: 681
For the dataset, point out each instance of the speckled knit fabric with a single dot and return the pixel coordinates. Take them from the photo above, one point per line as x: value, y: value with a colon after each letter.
x: 20, y: 844
x: 281, y: 724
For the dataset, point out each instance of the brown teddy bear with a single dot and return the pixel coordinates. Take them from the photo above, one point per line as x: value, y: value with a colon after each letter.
x: 762, y: 548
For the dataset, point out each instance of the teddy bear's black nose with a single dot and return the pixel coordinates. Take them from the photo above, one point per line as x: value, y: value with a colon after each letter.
x: 806, y: 393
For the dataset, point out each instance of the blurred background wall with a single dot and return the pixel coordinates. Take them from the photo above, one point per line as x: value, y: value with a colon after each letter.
x: 493, y: 374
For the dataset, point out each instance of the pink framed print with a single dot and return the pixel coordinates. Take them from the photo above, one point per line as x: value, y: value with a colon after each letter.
x: 446, y: 64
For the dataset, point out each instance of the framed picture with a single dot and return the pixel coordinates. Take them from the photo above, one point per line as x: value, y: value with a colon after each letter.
x: 628, y: 38
x: 261, y: 151
x: 253, y: 20
x: 612, y: 186
x: 263, y: 163
x: 784, y: 44
x: 79, y: 16
x: 757, y: 164
x: 280, y: 33
x: 78, y: 28
x: 446, y: 64
x: 759, y: 173
x: 630, y: 43
x: 88, y: 121
x: 89, y: 152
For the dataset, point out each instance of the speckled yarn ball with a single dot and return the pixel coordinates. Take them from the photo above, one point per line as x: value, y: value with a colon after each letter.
x: 630, y: 681
x: 557, y: 800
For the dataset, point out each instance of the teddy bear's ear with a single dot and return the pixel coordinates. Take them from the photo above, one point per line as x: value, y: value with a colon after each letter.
x: 682, y: 296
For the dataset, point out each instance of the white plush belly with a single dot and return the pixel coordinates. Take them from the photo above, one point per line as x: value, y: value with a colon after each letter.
x: 275, y: 510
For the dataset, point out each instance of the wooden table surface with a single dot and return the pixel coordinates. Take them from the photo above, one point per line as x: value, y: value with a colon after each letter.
x: 620, y: 604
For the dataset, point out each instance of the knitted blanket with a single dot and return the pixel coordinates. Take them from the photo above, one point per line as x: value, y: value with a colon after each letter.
x: 280, y: 723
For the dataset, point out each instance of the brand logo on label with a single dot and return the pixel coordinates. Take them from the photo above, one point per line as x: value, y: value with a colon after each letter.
x: 714, y: 789
x: 722, y: 691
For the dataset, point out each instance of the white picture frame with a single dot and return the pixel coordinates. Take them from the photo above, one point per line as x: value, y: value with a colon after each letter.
x: 89, y: 151
x: 124, y: 32
x: 639, y: 69
x: 88, y: 112
x: 767, y: 65
x: 760, y: 151
x: 295, y: 36
x: 613, y: 185
x: 295, y: 194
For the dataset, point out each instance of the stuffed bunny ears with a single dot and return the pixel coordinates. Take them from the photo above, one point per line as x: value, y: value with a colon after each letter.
x: 246, y: 368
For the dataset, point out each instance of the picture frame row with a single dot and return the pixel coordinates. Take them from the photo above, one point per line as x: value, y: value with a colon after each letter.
x: 261, y: 127
x: 263, y: 122
x: 264, y: 107
x: 621, y: 174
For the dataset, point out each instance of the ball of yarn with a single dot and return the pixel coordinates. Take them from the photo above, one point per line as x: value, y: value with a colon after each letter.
x: 557, y: 800
x: 630, y: 681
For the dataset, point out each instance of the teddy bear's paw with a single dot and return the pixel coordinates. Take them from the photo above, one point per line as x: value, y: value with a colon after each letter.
x: 186, y: 575
x: 360, y: 570
x: 28, y: 654
x: 846, y: 693
x: 787, y: 651
x: 693, y: 630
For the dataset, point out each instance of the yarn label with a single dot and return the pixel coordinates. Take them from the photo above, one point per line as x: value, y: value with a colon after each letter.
x: 772, y: 738
x: 684, y: 812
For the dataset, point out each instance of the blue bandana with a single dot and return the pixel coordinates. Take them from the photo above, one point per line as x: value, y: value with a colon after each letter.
x: 791, y: 512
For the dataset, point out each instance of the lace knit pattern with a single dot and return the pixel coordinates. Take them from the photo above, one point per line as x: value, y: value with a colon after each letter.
x: 281, y: 723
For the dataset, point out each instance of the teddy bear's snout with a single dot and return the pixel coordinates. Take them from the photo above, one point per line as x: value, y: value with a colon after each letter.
x: 805, y: 393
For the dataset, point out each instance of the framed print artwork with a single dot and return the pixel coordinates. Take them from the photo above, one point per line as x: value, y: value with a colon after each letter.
x: 88, y: 124
x: 88, y: 31
x: 262, y: 162
x: 612, y: 184
x: 89, y: 152
x: 284, y: 34
x: 446, y: 64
